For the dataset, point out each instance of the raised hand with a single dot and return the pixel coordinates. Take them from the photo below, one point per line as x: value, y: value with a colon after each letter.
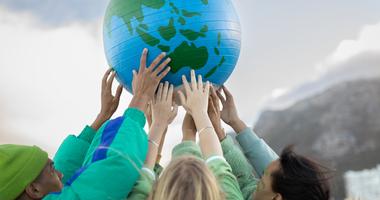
x: 163, y: 113
x: 229, y: 112
x: 215, y: 115
x: 146, y: 80
x: 196, y: 103
x: 109, y: 103
x: 196, y: 100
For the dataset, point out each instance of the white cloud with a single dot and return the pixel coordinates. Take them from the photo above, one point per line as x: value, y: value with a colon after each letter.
x: 50, y: 78
x: 50, y: 82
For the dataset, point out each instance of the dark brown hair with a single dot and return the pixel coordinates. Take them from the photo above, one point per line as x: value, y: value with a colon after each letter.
x: 300, y: 178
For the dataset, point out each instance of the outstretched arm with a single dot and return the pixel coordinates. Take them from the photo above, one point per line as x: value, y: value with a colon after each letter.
x: 242, y: 170
x: 258, y: 153
x: 195, y: 102
x: 163, y: 113
x: 72, y: 151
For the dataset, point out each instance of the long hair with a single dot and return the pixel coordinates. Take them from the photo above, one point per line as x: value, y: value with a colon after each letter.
x: 186, y: 178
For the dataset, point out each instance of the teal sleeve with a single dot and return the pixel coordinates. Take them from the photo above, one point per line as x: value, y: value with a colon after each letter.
x: 87, y: 134
x: 113, y: 176
x: 227, y: 181
x: 72, y: 152
x: 242, y: 170
x: 143, y: 186
x: 258, y: 153
x: 189, y: 148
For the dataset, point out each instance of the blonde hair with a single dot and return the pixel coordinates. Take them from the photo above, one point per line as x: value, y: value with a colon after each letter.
x: 186, y: 178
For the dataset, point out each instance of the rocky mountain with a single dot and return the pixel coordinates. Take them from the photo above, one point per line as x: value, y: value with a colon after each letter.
x: 340, y: 127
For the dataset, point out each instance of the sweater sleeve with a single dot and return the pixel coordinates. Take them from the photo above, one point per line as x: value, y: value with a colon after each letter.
x: 72, y: 152
x: 189, y: 148
x: 117, y: 154
x: 258, y: 153
x: 242, y: 170
x: 143, y: 186
x: 227, y: 181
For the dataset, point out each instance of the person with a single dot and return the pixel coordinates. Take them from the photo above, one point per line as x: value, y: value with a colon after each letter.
x: 103, y: 162
x: 290, y: 177
x: 206, y: 176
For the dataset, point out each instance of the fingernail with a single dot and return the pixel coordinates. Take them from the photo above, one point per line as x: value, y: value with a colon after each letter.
x: 145, y: 50
x: 163, y: 53
x: 168, y: 59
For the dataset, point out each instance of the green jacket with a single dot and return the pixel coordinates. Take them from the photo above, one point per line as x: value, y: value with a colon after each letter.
x: 216, y: 164
x: 256, y: 150
x: 259, y: 156
x: 105, y: 164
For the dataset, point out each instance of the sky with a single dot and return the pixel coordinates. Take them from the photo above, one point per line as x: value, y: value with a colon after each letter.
x: 52, y: 61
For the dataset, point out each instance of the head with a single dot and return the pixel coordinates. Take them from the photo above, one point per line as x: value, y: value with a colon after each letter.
x: 48, y: 181
x: 293, y: 177
x: 187, y: 178
x: 26, y: 173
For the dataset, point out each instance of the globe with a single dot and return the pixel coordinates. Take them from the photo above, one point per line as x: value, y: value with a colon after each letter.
x: 203, y: 35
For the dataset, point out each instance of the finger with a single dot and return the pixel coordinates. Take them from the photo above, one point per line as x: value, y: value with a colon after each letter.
x: 200, y: 82
x: 164, y: 73
x: 105, y: 77
x: 170, y: 93
x: 186, y: 85
x: 175, y: 110
x: 212, y: 106
x: 214, y: 97
x: 182, y: 98
x: 164, y: 95
x: 209, y: 106
x: 221, y: 97
x: 118, y: 92
x: 156, y: 61
x: 143, y: 60
x: 162, y: 66
x: 226, y: 92
x: 159, y: 92
x: 110, y: 80
x: 207, y: 88
x: 193, y: 80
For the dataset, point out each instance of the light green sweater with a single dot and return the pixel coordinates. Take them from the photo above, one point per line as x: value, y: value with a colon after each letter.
x: 218, y: 165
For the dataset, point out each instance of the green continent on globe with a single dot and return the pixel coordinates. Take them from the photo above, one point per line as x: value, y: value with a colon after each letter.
x: 147, y: 38
x: 190, y: 14
x: 168, y: 32
x: 205, y: 2
x: 127, y: 10
x: 186, y: 55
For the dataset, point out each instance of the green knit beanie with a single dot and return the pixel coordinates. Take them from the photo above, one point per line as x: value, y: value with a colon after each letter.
x: 19, y: 166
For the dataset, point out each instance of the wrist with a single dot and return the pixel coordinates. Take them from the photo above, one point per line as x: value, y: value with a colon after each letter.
x: 140, y: 101
x: 220, y: 133
x: 99, y: 121
x: 102, y: 117
x: 238, y: 125
x: 202, y: 121
x: 156, y: 132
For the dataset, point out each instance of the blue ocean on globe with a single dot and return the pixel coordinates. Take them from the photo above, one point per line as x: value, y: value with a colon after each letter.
x: 203, y: 35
